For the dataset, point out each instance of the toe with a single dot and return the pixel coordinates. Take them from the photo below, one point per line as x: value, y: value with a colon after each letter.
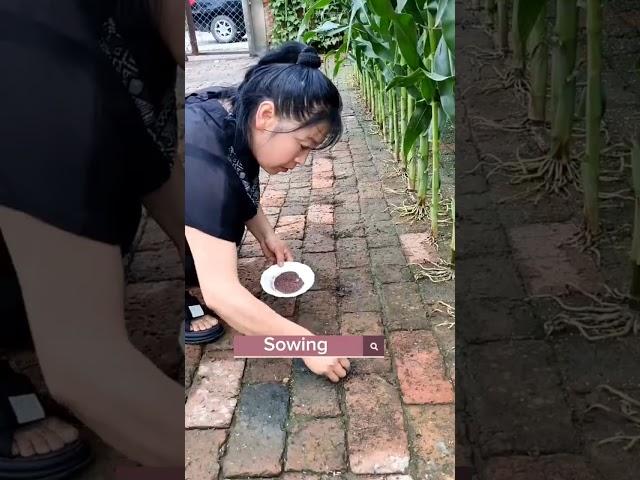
x: 38, y: 441
x: 54, y: 441
x: 25, y: 447
x: 68, y: 433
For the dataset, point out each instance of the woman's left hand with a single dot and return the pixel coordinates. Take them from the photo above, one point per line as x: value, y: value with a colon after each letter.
x: 276, y: 250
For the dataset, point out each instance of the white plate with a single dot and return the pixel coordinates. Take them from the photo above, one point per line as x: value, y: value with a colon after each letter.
x: 271, y: 273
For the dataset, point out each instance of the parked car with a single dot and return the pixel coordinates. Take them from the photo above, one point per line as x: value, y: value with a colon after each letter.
x: 224, y: 19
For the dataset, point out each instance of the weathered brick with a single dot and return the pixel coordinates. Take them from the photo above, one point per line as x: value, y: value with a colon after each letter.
x: 154, y: 238
x: 402, y: 307
x: 156, y: 307
x: 561, y: 467
x: 420, y: 368
x: 376, y: 436
x: 283, y: 306
x: 250, y: 271
x: 321, y: 180
x: 320, y: 214
x: 352, y: 252
x: 251, y: 250
x: 318, y: 312
x: 311, y: 394
x: 201, y: 451
x: 419, y: 248
x: 257, y: 439
x: 366, y: 323
x: 192, y: 355
x: 213, y: 395
x: 387, y: 256
x: 383, y: 240
x: 324, y: 266
x: 293, y: 210
x: 392, y: 273
x: 291, y: 227
x: 357, y: 291
x: 319, y: 239
x: 273, y: 198
x: 316, y: 445
x: 154, y: 265
x: 267, y: 370
x: 431, y: 429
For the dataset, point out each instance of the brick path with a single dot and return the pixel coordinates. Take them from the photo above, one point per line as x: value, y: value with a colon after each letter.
x: 391, y: 417
x: 526, y: 395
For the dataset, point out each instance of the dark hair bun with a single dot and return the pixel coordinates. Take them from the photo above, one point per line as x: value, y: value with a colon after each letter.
x: 309, y: 58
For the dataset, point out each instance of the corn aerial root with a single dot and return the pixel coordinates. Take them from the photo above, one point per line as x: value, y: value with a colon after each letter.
x: 598, y: 321
x: 511, y: 78
x: 584, y: 240
x: 416, y: 212
x: 628, y: 409
x: 438, y: 272
x: 450, y: 312
x: 483, y: 122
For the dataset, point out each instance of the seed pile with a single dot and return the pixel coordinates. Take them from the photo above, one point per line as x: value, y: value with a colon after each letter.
x: 288, y: 282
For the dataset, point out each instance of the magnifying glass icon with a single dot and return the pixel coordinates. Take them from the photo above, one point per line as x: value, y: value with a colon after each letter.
x: 373, y: 346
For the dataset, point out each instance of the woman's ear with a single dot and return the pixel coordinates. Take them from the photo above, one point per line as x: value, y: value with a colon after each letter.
x: 266, y: 116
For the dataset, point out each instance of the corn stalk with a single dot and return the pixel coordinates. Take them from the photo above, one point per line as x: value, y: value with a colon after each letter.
x: 635, y: 245
x: 591, y: 163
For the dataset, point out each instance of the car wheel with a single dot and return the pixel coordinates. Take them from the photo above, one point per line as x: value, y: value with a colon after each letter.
x: 224, y: 29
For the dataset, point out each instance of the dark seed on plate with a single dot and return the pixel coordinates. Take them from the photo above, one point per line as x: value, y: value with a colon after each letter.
x: 288, y: 282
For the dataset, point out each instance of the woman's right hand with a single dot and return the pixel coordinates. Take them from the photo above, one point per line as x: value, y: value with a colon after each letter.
x: 333, y: 368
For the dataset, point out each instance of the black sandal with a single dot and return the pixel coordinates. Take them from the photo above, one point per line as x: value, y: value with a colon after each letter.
x: 193, y: 310
x: 19, y: 406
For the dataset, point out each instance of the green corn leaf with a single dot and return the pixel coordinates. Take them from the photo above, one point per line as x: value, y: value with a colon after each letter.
x: 441, y: 60
x: 404, y: 81
x: 382, y: 8
x: 449, y: 25
x: 437, y: 77
x: 407, y: 36
x: 418, y: 124
x: 427, y: 88
x: 447, y: 98
x: 527, y: 15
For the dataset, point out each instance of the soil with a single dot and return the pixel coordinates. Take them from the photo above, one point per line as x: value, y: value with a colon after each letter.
x: 288, y: 282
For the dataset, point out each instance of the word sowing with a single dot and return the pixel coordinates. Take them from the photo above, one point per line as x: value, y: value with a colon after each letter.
x: 296, y: 346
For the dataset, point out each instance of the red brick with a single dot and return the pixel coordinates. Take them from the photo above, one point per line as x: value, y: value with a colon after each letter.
x: 325, y: 268
x: 192, y: 355
x: 322, y: 181
x: 361, y: 323
x: 283, y: 306
x: 225, y: 342
x: 154, y: 237
x: 318, y: 312
x: 311, y: 394
x: 420, y: 368
x: 257, y: 440
x: 432, y: 431
x: 201, y: 452
x: 154, y: 265
x: 267, y: 370
x: 213, y: 395
x: 366, y: 323
x: 291, y: 227
x: 319, y: 239
x: 352, y: 252
x: 273, y: 198
x: 271, y: 210
x: 357, y: 293
x: 322, y: 164
x: 320, y: 214
x: 317, y: 445
x: 251, y: 250
x: 402, y: 307
x: 376, y: 436
x: 556, y: 467
x: 249, y: 272
x: 419, y: 248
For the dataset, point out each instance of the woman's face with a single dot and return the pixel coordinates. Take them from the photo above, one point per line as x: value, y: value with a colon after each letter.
x: 281, y: 152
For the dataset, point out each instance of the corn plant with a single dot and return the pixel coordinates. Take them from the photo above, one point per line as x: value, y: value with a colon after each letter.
x: 403, y: 53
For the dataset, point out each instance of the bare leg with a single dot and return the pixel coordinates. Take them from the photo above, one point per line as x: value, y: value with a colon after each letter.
x: 74, y: 296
